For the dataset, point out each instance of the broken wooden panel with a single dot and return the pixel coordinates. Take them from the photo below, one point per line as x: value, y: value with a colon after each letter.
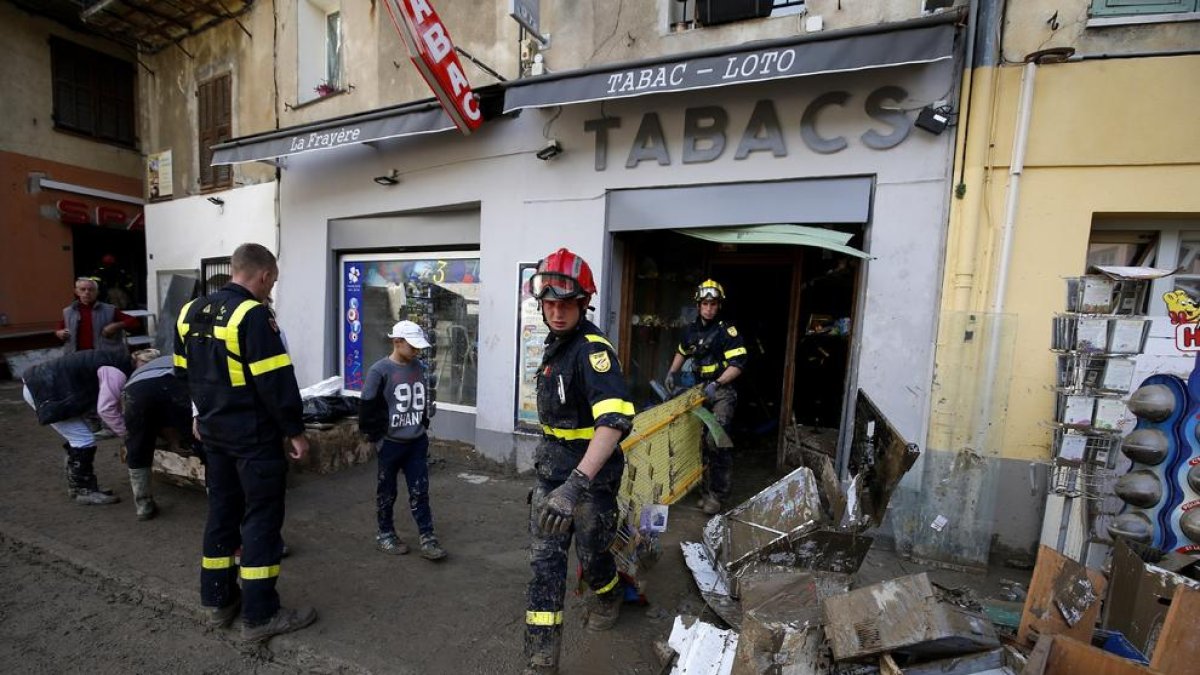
x: 1140, y: 597
x: 662, y: 463
x: 1004, y: 661
x: 1058, y: 601
x: 782, y: 629
x: 1177, y: 651
x: 880, y: 455
x: 1063, y: 655
x: 906, y: 617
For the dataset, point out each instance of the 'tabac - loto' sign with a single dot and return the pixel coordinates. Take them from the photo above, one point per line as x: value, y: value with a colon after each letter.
x: 432, y: 52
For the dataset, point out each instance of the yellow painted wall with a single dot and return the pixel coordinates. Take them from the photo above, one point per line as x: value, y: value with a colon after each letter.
x: 1106, y: 137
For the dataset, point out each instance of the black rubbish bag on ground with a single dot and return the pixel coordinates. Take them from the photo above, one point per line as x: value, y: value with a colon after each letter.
x: 329, y: 408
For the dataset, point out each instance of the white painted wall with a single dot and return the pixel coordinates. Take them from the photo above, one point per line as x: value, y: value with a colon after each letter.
x: 530, y: 207
x: 182, y: 231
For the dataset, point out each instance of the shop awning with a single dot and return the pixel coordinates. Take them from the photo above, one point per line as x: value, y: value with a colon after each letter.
x: 918, y: 41
x: 791, y: 235
x: 423, y: 117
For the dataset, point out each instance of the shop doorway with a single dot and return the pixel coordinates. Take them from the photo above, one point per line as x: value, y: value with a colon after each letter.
x: 116, y: 258
x: 794, y: 305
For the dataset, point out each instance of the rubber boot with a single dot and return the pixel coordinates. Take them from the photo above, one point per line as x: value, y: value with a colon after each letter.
x: 604, y: 609
x: 139, y: 480
x: 542, y: 646
x: 83, y: 478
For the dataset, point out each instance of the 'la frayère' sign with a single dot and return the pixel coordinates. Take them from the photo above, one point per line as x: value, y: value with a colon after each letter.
x: 432, y: 52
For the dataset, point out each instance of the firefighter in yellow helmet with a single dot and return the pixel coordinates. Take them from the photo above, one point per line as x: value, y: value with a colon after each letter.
x: 719, y: 356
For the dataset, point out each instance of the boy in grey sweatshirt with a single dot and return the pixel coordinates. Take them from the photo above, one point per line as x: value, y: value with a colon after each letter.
x: 397, y: 403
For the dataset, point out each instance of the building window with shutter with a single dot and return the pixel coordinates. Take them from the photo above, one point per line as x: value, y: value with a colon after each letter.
x: 1106, y: 8
x: 93, y: 93
x: 216, y: 126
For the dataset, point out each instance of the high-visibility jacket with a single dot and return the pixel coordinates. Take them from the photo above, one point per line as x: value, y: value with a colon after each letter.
x: 714, y: 346
x: 229, y: 351
x: 579, y: 387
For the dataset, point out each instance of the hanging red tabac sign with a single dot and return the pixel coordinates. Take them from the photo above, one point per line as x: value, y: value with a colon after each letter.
x: 432, y: 52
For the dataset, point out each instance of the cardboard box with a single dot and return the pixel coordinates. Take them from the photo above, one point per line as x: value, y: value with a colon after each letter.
x: 1063, y: 598
x: 1139, y: 597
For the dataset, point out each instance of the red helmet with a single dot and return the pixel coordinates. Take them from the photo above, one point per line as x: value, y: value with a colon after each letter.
x: 562, y: 275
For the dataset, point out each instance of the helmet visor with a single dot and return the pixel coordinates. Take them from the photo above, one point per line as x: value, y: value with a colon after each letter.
x: 555, y: 286
x: 708, y: 293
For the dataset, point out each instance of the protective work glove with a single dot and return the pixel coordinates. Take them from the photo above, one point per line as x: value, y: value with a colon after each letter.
x: 710, y: 389
x: 559, y: 508
x: 669, y: 383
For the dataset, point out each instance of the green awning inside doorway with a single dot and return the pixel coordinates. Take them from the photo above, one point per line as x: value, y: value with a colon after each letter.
x: 791, y: 235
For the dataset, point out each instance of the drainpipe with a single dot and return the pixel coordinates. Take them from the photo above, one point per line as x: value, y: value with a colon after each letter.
x: 1000, y: 289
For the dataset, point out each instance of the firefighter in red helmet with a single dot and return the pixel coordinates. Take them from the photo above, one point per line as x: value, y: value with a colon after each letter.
x: 585, y: 411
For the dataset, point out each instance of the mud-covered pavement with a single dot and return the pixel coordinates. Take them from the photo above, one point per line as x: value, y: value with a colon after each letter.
x: 91, y: 589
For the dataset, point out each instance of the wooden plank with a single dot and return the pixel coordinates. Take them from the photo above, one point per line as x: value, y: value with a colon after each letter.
x: 1041, y: 616
x: 1068, y: 656
x: 787, y: 396
x: 1178, y: 649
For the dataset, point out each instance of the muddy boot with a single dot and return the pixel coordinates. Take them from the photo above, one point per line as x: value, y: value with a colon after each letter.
x: 139, y: 480
x: 284, y: 621
x: 604, y: 609
x: 711, y: 505
x: 542, y: 646
x: 83, y: 478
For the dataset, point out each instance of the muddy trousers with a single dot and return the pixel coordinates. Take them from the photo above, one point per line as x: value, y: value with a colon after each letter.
x: 245, y: 508
x: 594, y: 529
x: 718, y: 462
x: 411, y: 457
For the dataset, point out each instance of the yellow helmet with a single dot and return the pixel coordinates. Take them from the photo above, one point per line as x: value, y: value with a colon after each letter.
x: 710, y: 290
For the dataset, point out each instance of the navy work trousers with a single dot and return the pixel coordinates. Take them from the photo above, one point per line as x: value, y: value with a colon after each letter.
x: 411, y: 457
x: 245, y: 507
x: 150, y: 407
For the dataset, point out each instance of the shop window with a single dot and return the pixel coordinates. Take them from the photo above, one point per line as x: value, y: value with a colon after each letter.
x: 215, y: 113
x: 438, y: 291
x: 319, y: 64
x: 688, y: 13
x: 1103, y: 8
x: 93, y: 93
x: 1173, y: 246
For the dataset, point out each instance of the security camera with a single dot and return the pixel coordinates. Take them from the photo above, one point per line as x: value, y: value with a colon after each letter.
x: 553, y: 149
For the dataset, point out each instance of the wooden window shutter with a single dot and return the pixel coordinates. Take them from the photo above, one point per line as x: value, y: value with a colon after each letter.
x: 1135, y: 7
x: 215, y: 125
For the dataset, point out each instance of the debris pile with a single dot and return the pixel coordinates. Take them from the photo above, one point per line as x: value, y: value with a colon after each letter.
x: 780, y: 570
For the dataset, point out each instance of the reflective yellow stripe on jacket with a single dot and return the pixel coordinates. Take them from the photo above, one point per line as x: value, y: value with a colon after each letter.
x: 610, y: 585
x: 735, y: 352
x: 229, y: 333
x: 601, y: 339
x: 705, y: 370
x: 258, y: 573
x: 569, y: 434
x: 543, y: 618
x: 181, y: 329
x: 267, y: 365
x: 612, y: 405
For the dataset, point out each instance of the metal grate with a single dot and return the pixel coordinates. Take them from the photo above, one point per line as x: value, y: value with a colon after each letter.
x: 214, y: 274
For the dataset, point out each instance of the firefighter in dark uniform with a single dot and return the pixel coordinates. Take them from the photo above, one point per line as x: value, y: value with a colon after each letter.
x: 719, y: 356
x: 584, y: 410
x: 243, y: 386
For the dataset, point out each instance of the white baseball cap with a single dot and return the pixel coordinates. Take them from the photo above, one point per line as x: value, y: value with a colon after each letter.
x: 410, y: 333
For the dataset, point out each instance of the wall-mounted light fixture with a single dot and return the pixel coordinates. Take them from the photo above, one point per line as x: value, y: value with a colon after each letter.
x: 933, y: 120
x: 553, y: 149
x: 390, y: 178
x: 216, y: 201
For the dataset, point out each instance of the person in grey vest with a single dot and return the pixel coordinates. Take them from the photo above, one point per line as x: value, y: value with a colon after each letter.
x: 151, y: 402
x: 90, y: 324
x: 61, y: 392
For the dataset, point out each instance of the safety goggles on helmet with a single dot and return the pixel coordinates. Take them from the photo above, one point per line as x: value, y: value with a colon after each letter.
x: 555, y: 286
x: 709, y: 290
